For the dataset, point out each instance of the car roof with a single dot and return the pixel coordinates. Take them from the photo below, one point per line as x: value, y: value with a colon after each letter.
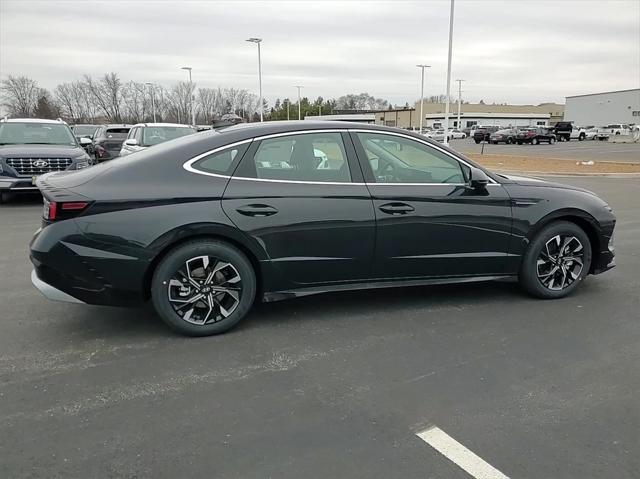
x: 180, y: 125
x: 117, y: 125
x: 32, y: 120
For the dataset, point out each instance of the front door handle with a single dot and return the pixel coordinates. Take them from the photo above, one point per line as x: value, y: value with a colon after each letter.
x: 396, y: 208
x: 257, y: 210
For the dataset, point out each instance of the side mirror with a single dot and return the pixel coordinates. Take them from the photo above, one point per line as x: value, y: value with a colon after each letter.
x: 131, y: 142
x: 84, y: 141
x: 478, y: 179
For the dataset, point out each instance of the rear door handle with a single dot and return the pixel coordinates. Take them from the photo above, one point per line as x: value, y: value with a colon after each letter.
x: 396, y: 208
x: 257, y: 210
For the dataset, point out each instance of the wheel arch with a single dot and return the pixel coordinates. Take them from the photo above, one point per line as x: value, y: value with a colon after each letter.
x: 580, y: 218
x: 183, y: 234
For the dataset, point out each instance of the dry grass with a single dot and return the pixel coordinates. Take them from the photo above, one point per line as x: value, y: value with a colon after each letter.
x: 550, y: 165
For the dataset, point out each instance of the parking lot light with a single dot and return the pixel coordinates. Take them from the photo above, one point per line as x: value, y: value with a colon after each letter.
x: 257, y: 41
x: 446, y: 110
x: 459, y: 100
x: 422, y: 67
x: 153, y: 100
x: 193, y: 112
x: 299, y: 104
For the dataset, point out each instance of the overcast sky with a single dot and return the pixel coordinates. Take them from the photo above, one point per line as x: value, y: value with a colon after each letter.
x: 506, y: 50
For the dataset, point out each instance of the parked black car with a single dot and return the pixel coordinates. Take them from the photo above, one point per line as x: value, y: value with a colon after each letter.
x: 562, y: 130
x: 507, y: 136
x: 536, y: 136
x: 108, y: 140
x: 203, y: 225
x: 484, y: 133
x: 30, y: 147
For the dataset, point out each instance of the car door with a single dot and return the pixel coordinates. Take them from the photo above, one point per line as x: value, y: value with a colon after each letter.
x: 302, y: 197
x: 430, y: 222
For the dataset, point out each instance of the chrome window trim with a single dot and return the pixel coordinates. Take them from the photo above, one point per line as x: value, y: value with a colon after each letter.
x: 188, y: 164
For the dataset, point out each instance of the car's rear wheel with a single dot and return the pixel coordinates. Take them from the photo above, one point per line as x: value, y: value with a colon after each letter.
x: 552, y: 140
x: 203, y: 287
x: 557, y: 260
x: 519, y: 143
x: 477, y: 142
x: 509, y: 141
x: 581, y: 137
x: 534, y: 141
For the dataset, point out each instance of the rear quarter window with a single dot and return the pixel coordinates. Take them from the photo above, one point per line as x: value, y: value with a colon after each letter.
x: 220, y: 162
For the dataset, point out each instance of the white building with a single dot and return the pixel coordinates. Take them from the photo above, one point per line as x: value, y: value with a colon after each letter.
x: 601, y: 109
x: 468, y: 119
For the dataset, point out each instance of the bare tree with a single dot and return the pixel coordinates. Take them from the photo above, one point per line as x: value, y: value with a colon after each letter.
x: 20, y: 95
x: 107, y: 93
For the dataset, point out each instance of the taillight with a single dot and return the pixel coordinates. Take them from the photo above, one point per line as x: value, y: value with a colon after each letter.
x: 54, y: 211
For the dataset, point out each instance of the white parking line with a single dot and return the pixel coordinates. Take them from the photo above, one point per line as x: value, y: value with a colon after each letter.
x: 459, y: 455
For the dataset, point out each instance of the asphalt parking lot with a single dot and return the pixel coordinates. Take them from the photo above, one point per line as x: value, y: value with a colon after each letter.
x: 334, y: 385
x: 572, y: 150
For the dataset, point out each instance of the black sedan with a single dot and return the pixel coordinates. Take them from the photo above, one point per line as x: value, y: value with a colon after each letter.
x: 204, y: 225
x: 508, y: 136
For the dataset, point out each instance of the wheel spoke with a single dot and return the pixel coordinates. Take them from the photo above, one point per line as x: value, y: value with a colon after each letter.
x: 205, y: 290
x: 560, y: 262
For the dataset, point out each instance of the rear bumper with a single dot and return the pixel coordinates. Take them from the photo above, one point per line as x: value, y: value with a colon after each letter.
x: 51, y: 292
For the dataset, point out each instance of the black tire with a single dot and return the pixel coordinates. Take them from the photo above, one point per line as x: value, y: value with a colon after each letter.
x: 176, y: 260
x: 567, y: 138
x: 581, y: 137
x: 552, y: 140
x: 535, y: 141
x: 509, y: 141
x: 477, y: 142
x: 528, y: 275
x: 519, y: 143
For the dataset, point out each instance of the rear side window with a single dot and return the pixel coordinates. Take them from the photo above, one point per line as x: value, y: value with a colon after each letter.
x: 221, y: 162
x: 115, y: 133
x: 313, y: 157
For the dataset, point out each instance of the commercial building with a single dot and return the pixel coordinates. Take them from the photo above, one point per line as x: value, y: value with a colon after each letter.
x: 362, y: 117
x: 599, y: 109
x: 473, y: 114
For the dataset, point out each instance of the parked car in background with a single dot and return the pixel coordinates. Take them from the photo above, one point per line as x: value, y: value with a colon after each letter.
x: 108, y: 140
x: 144, y: 135
x: 31, y: 147
x: 483, y: 133
x: 202, y: 228
x: 456, y: 134
x: 438, y: 135
x: 507, y: 136
x: 613, y: 129
x: 536, y: 135
x: 563, y: 130
x: 591, y: 133
x: 578, y: 133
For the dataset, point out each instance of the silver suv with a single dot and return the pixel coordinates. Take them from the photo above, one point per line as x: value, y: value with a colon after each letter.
x: 31, y: 147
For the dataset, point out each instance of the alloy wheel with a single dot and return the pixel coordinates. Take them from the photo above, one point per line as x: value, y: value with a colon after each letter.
x: 205, y: 290
x: 560, y: 262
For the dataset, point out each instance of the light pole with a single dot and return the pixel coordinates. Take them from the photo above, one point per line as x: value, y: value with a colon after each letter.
x: 459, y: 99
x: 299, y: 104
x: 446, y: 110
x: 422, y: 67
x: 153, y: 100
x: 193, y: 112
x: 257, y: 42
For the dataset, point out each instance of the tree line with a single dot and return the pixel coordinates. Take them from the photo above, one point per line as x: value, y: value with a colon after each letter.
x: 109, y: 99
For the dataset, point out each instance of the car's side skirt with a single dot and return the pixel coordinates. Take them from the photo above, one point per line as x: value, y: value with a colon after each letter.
x: 272, y: 296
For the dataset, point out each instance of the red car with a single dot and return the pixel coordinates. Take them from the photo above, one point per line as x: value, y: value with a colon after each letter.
x: 536, y: 136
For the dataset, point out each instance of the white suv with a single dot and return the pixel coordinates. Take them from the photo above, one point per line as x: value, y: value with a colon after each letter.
x: 144, y: 135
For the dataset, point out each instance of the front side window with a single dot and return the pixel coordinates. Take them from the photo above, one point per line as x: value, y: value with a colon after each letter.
x: 316, y: 157
x: 395, y: 159
x: 220, y: 162
x: 15, y: 133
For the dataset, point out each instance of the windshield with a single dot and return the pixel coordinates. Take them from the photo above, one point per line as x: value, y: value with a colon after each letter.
x: 82, y: 130
x: 153, y: 135
x: 36, y: 134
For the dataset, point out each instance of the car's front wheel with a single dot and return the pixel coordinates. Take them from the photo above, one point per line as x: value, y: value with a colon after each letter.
x: 203, y: 287
x: 557, y: 260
